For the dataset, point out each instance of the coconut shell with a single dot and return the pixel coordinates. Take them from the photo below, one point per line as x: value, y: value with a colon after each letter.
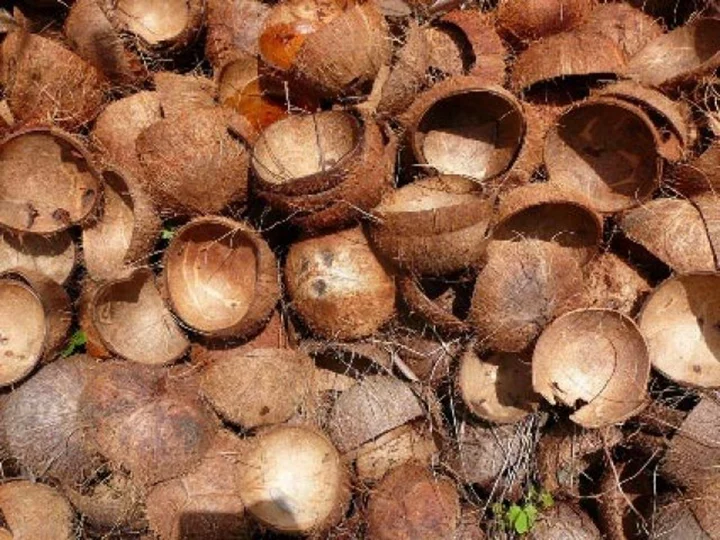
x: 132, y: 321
x: 523, y: 287
x: 612, y: 283
x: 427, y: 359
x: 703, y: 504
x: 680, y: 56
x: 526, y: 22
x: 707, y: 205
x: 606, y: 149
x: 674, y: 519
x: 233, y: 27
x: 410, y: 502
x: 293, y: 480
x: 48, y: 180
x: 673, y: 231
x: 36, y: 511
x: 180, y: 94
x: 630, y: 28
x: 37, y: 91
x: 699, y: 175
x: 53, y: 256
x: 431, y: 309
x: 445, y: 48
x: 221, y: 277
x: 6, y: 116
x: 126, y: 229
x: 354, y: 359
x: 625, y: 494
x: 565, y: 521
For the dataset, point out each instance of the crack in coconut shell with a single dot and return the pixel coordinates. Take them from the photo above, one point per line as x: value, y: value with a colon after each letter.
x: 40, y: 333
x: 292, y: 480
x: 596, y: 361
x: 612, y: 283
x: 673, y: 231
x: 48, y: 181
x: 34, y: 510
x: 462, y: 126
x: 681, y: 323
x: 680, y: 56
x: 53, y: 256
x: 132, y: 321
x: 433, y: 309
x: 525, y: 22
x: 221, y: 277
x: 232, y: 28
x: 606, y: 149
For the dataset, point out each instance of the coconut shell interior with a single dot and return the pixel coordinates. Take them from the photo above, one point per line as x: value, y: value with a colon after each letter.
x: 35, y: 510
x: 54, y: 256
x: 154, y: 21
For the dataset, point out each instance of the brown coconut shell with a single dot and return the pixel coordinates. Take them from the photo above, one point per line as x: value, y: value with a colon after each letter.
x: 596, y: 361
x: 523, y: 287
x: 426, y: 358
x: 608, y: 150
x: 435, y: 305
x: 565, y: 521
x: 447, y: 56
x: 232, y: 28
x: 680, y: 56
x: 699, y: 175
x: 410, y: 502
x: 294, y: 481
x: 181, y: 93
x: 526, y: 22
x: 53, y: 256
x: 33, y: 510
x: 461, y: 126
x: 703, y: 504
x: 626, y: 493
x: 221, y: 277
x: 612, y: 283
x: 60, y: 185
x: 675, y: 519
x: 354, y: 359
x: 94, y: 345
x: 629, y: 27
x: 337, y: 285
x: 709, y: 207
x: 673, y: 231
x: 37, y: 91
x: 126, y: 229
x: 132, y: 321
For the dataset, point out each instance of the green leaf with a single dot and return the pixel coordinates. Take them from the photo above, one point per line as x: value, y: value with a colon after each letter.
x: 546, y: 500
x: 532, y: 512
x: 522, y: 523
x: 167, y: 234
x: 78, y: 339
x: 498, y: 510
x: 512, y: 514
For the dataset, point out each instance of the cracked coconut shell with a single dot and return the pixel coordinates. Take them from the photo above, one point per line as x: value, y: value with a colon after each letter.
x: 34, y: 510
x: 181, y: 93
x: 53, y: 256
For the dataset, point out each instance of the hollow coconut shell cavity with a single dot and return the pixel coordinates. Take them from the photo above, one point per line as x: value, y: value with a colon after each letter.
x: 233, y: 28
x: 436, y: 302
x: 526, y: 22
x: 338, y: 287
x: 629, y: 27
x: 595, y: 361
x: 608, y: 150
x: 221, y: 277
x: 48, y: 180
x: 612, y: 283
x: 463, y: 127
x: 433, y: 226
x: 54, y: 256
x: 292, y: 480
x: 34, y: 510
x: 37, y: 91
x: 679, y: 322
x: 40, y: 334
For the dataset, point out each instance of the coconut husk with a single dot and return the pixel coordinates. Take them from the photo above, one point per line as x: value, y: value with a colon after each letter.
x: 48, y: 179
x: 675, y: 519
x: 521, y: 22
x: 576, y: 54
x: 439, y: 311
x: 629, y: 27
x: 699, y: 175
x: 221, y: 277
x: 232, y: 28
x: 523, y: 287
x: 355, y: 359
x: 179, y: 94
x: 680, y: 56
x: 132, y: 321
x: 567, y: 521
x: 34, y: 510
x: 673, y: 231
x: 606, y: 149
x: 53, y: 256
x: 612, y: 283
x: 595, y: 361
x: 124, y: 235
x: 707, y: 205
x: 6, y: 117
x: 626, y: 493
x: 703, y: 504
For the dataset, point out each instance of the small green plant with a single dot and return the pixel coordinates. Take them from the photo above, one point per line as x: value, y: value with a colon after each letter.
x: 521, y: 517
x: 168, y: 233
x: 77, y: 341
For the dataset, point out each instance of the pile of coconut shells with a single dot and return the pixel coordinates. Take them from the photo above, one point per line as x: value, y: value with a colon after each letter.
x: 348, y: 269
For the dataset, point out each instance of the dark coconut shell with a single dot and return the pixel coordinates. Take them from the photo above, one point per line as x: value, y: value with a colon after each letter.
x: 148, y: 420
x: 221, y: 277
x: 565, y: 521
x: 699, y: 175
x: 53, y: 256
x: 525, y: 22
x: 629, y: 27
x: 435, y: 310
x: 48, y: 181
x: 233, y: 27
x: 33, y: 510
x: 608, y: 150
x: 523, y: 287
x: 675, y: 519
x: 681, y: 56
x: 125, y: 231
x: 337, y: 285
x: 37, y: 91
x: 461, y: 126
x: 612, y: 283
x: 40, y: 334
x: 703, y: 504
x: 672, y: 230
x: 412, y: 502
x: 626, y: 492
x: 595, y: 361
x: 353, y: 359
x: 179, y: 94
x: 132, y: 321
x: 484, y: 47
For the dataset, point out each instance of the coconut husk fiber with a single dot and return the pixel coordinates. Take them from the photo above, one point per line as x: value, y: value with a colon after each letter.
x: 629, y: 27
x: 232, y: 28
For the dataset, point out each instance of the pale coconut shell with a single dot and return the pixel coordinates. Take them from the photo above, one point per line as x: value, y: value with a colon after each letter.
x: 33, y: 510
x: 606, y: 149
x: 565, y: 521
x: 595, y: 361
x: 612, y: 283
x: 233, y: 27
x: 526, y: 22
x: 48, y: 179
x: 371, y: 408
x: 37, y: 91
x: 126, y: 229
x: 629, y: 27
x: 54, y: 256
x: 221, y: 277
x: 132, y: 321
x: 673, y: 231
x: 709, y: 207
x: 180, y: 94
x: 680, y: 56
x: 432, y: 309
x: 523, y: 287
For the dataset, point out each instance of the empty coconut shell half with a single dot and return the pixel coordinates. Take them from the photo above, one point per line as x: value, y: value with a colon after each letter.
x: 35, y: 317
x: 54, y: 256
x: 681, y: 323
x: 527, y: 22
x: 463, y: 127
x: 131, y: 320
x: 433, y: 226
x: 606, y: 149
x: 35, y: 510
x: 629, y: 27
x: 221, y: 277
x: 48, y: 181
x: 595, y: 361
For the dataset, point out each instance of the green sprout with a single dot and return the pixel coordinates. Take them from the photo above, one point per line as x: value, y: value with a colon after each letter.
x: 168, y: 233
x: 522, y: 517
x: 78, y: 340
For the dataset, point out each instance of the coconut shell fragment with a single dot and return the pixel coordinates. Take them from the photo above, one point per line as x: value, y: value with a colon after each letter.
x: 33, y: 510
x: 629, y: 27
x: 437, y: 302
x: 53, y: 256
x: 525, y: 22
